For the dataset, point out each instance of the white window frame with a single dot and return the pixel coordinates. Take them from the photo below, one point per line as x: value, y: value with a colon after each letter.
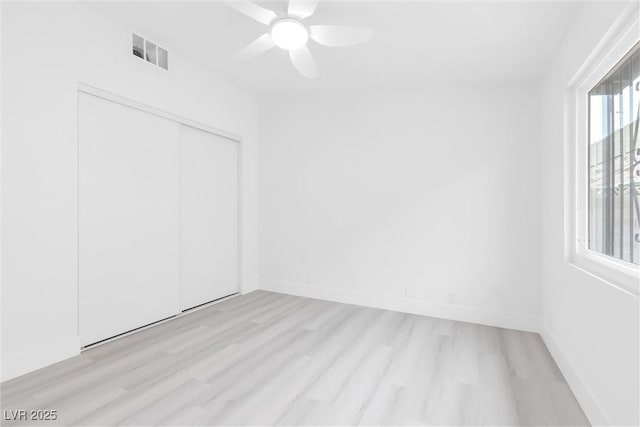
x: 622, y: 37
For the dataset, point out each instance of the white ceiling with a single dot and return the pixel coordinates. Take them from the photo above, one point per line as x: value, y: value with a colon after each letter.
x: 426, y: 42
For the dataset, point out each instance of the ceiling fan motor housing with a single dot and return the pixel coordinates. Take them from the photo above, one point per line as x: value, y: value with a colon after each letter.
x: 289, y: 33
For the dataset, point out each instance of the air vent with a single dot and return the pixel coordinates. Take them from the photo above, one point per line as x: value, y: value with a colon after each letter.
x: 149, y: 51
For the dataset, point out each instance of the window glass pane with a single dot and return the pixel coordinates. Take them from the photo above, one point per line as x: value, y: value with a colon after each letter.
x: 151, y: 52
x: 614, y: 162
x: 163, y: 58
x: 138, y: 46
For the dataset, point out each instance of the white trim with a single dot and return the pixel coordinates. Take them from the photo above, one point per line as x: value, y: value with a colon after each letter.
x: 518, y: 321
x: 91, y: 90
x: 587, y: 400
x: 240, y: 161
x: 622, y: 36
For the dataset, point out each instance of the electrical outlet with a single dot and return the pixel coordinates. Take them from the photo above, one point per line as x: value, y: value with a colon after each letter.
x: 451, y: 298
x: 410, y: 291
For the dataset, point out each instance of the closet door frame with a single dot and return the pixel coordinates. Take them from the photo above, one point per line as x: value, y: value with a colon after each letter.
x: 91, y: 90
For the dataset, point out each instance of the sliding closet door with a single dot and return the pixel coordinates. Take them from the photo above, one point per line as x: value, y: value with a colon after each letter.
x: 208, y: 217
x: 128, y: 218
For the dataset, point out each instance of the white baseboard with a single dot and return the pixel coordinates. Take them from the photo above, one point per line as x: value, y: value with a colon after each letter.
x: 40, y: 356
x: 409, y: 305
x: 586, y: 399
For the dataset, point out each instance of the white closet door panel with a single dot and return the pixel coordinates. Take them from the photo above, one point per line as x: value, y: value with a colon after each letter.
x: 128, y: 218
x: 208, y: 217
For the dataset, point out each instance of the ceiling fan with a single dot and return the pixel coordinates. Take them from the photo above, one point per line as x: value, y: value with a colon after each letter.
x: 289, y: 32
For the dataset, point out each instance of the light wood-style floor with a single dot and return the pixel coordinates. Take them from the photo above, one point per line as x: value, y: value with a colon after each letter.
x: 266, y: 358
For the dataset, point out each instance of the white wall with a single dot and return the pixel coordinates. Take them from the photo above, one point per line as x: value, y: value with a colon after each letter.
x: 364, y: 195
x: 47, y: 49
x: 590, y: 327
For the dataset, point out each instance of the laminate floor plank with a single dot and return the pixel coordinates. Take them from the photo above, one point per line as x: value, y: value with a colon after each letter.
x: 272, y: 359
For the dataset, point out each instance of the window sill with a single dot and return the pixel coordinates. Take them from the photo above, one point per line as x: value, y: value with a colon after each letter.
x: 623, y: 277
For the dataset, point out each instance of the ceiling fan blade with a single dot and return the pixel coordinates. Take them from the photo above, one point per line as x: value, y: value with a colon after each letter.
x: 254, y: 11
x: 339, y: 35
x: 258, y: 46
x: 304, y: 63
x: 302, y: 8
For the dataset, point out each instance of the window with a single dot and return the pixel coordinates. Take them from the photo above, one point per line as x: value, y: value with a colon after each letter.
x: 614, y: 161
x: 149, y: 51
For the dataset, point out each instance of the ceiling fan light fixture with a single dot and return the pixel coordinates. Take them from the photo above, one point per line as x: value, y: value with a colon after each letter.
x: 289, y: 33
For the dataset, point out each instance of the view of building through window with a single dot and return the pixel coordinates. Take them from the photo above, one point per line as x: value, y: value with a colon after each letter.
x: 614, y: 161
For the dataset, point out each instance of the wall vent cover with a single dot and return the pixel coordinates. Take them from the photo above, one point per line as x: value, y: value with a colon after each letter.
x: 149, y: 51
